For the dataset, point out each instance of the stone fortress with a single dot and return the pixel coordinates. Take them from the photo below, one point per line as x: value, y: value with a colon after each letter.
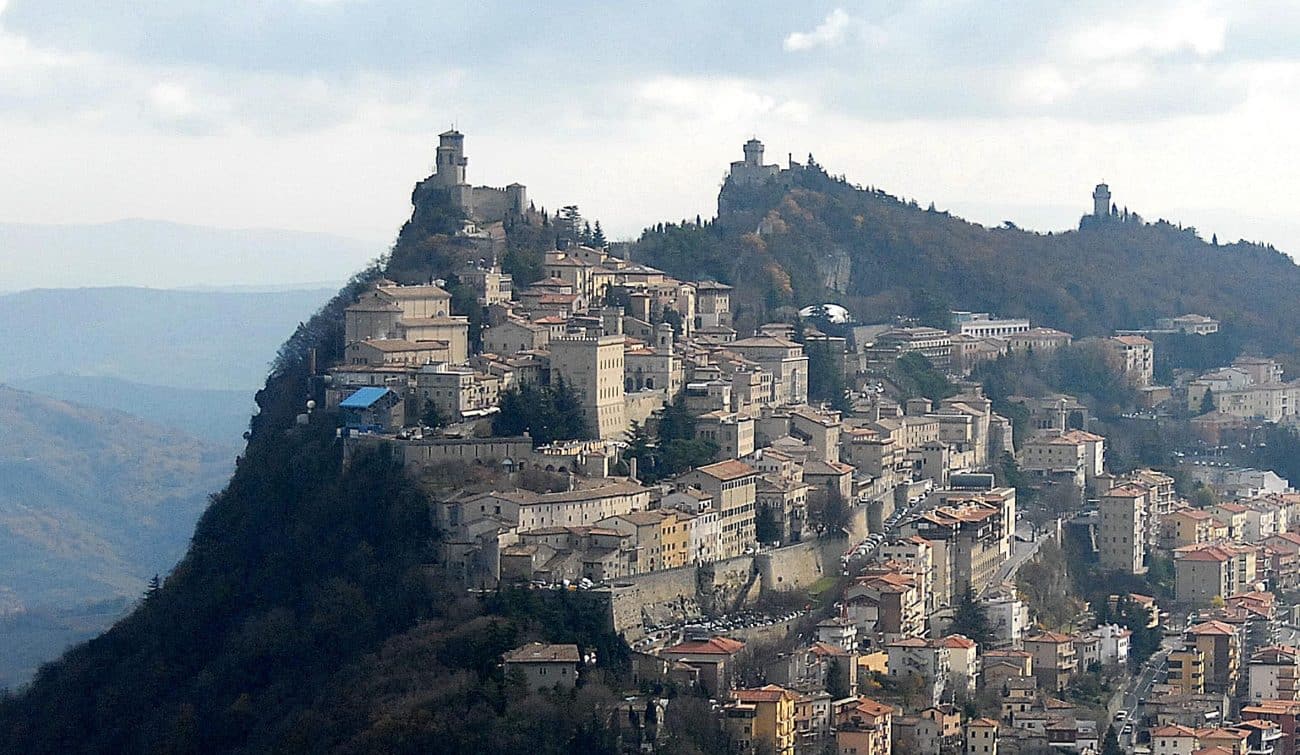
x: 482, y: 204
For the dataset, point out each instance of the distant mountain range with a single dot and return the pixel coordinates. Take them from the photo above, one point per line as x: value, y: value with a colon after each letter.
x: 215, y: 416
x: 181, y: 339
x: 163, y: 254
x: 92, y: 503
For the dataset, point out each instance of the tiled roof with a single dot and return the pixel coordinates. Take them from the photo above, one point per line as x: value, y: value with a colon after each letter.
x: 731, y: 469
x: 767, y: 694
x: 536, y: 652
x: 711, y: 646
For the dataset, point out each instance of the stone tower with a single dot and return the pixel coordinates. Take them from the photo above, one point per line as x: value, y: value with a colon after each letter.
x: 1101, y: 201
x: 753, y: 153
x: 451, y: 160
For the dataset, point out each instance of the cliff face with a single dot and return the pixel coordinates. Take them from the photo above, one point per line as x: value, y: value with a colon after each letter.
x: 808, y: 237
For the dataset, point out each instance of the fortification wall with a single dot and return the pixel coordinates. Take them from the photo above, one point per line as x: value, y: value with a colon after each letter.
x: 686, y: 594
x: 795, y: 567
x: 660, y: 597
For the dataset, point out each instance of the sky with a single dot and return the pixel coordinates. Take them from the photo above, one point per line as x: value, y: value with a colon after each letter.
x: 320, y: 115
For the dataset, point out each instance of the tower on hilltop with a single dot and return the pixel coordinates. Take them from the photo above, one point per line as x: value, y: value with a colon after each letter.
x: 1101, y: 201
x: 751, y: 171
x: 449, y: 166
x: 480, y: 203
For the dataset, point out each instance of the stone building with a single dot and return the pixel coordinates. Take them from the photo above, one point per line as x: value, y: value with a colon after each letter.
x: 593, y: 366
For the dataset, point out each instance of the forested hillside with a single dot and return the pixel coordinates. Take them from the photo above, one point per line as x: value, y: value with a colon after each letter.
x: 823, y: 239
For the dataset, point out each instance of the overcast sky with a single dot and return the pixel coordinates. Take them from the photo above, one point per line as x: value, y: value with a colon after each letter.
x: 320, y: 115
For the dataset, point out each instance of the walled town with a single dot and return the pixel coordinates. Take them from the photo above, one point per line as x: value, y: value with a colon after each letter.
x: 881, y: 571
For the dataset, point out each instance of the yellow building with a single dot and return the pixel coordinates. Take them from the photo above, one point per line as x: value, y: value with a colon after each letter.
x: 1220, y: 644
x: 674, y: 539
x: 773, y: 721
x: 1186, y: 526
x: 1187, y: 670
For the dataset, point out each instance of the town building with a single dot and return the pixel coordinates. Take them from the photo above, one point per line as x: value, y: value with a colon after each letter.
x: 593, y: 366
x: 544, y: 666
x: 733, y: 486
x: 1122, y: 533
x: 1055, y: 660
x: 773, y: 720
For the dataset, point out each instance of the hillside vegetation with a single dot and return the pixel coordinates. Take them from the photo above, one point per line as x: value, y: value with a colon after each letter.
x: 92, y: 504
x: 825, y: 240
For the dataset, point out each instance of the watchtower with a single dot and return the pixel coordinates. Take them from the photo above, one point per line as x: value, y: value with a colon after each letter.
x: 1101, y: 201
x: 451, y: 160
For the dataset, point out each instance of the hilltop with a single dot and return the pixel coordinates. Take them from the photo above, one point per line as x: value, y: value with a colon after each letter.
x: 803, y: 236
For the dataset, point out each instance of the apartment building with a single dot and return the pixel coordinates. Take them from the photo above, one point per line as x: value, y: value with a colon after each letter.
x: 1055, y: 660
x: 1122, y: 532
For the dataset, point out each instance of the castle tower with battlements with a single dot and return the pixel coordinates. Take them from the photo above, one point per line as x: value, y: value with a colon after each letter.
x: 483, y: 204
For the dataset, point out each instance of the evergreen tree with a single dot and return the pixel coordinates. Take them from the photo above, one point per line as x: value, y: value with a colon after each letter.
x: 155, y: 585
x: 598, y: 239
x: 971, y: 619
x: 432, y: 416
x: 766, y: 529
x: 1207, y: 402
x: 1110, y: 745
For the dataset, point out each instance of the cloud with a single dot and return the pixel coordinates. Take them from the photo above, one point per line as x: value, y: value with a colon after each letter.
x: 1153, y: 31
x: 829, y: 33
x: 322, y: 113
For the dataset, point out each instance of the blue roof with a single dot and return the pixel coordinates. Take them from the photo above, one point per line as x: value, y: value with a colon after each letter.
x: 364, y: 398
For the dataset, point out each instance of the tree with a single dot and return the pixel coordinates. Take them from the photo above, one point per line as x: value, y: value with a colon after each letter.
x: 766, y: 528
x: 971, y: 619
x: 598, y: 239
x: 546, y: 413
x: 826, y: 376
x: 836, y: 680
x: 1207, y: 402
x: 155, y: 585
x: 1110, y: 745
x: 432, y: 416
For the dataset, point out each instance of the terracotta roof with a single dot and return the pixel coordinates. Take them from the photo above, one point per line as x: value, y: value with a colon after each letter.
x: 825, y: 648
x: 873, y: 708
x: 767, y: 694
x: 731, y: 469
x: 1208, y: 553
x: 1212, y: 627
x: 1173, y: 730
x: 1132, y: 340
x: 1053, y: 637
x: 711, y: 646
x: 983, y: 723
x: 957, y: 641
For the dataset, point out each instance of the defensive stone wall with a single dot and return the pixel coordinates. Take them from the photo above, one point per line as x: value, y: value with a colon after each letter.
x: 688, y: 593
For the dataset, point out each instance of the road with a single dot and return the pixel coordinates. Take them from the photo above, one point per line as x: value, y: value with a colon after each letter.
x: 1138, y: 687
x: 1020, y: 553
